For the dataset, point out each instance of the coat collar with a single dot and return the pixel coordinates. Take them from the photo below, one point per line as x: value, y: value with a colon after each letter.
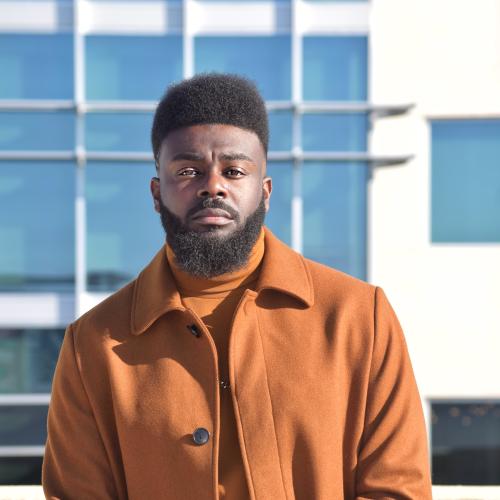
x: 155, y: 291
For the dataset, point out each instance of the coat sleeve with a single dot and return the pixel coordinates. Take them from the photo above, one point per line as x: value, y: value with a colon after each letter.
x: 393, y: 459
x: 75, y: 464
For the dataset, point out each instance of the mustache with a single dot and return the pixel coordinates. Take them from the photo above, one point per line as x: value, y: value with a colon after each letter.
x: 213, y: 203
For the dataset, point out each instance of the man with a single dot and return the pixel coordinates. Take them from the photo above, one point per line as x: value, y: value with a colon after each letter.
x: 232, y: 367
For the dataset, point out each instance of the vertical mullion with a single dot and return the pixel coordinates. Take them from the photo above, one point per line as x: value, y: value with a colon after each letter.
x: 187, y: 41
x: 80, y: 208
x: 296, y: 66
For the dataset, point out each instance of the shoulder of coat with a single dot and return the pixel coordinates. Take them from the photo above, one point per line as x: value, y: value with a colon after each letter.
x: 108, y: 317
x: 330, y: 281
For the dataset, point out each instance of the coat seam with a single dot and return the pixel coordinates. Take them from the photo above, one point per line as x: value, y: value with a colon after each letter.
x: 271, y: 403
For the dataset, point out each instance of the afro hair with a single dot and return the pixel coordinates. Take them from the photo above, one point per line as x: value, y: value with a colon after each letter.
x: 216, y: 98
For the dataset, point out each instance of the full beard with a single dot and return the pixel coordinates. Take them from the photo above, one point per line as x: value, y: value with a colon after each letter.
x: 208, y: 254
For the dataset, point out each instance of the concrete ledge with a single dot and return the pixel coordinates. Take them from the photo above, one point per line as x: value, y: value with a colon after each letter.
x: 466, y: 492
x: 438, y: 493
x: 21, y: 493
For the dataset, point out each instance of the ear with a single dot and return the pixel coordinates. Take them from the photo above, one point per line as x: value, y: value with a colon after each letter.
x: 155, y: 192
x: 267, y: 188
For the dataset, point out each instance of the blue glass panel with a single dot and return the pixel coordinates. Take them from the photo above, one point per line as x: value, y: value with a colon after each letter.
x: 263, y: 59
x: 42, y: 131
x: 36, y: 66
x: 28, y: 359
x: 23, y: 425
x: 131, y: 67
x: 280, y: 130
x: 278, y: 218
x: 118, y: 131
x: 37, y: 226
x: 20, y: 470
x: 334, y: 132
x: 466, y: 181
x: 335, y: 68
x: 466, y: 443
x: 334, y: 197
x: 124, y: 231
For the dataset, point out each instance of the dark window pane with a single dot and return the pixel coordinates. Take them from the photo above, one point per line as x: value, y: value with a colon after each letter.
x: 466, y: 443
x: 36, y: 66
x: 23, y: 425
x: 280, y: 130
x: 334, y: 197
x: 37, y: 226
x: 118, y: 131
x: 28, y: 359
x: 335, y: 68
x: 124, y: 231
x: 264, y: 59
x: 43, y: 131
x: 334, y: 132
x: 21, y: 470
x: 466, y: 181
x: 131, y: 67
x: 278, y: 218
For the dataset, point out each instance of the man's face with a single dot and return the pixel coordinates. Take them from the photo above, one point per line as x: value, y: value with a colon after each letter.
x: 212, y: 195
x: 218, y: 162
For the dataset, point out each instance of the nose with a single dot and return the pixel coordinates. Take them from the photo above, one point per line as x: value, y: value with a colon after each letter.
x: 213, y: 186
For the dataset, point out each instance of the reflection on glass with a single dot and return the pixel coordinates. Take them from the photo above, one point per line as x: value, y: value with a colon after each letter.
x: 21, y: 470
x: 278, y: 218
x: 335, y: 68
x: 263, y: 59
x: 118, y: 131
x: 131, y: 67
x: 334, y: 132
x: 466, y: 181
x: 36, y: 66
x: 23, y: 425
x: 123, y: 230
x: 40, y: 130
x: 280, y: 130
x: 466, y: 443
x: 334, y: 197
x: 27, y: 359
x: 37, y: 226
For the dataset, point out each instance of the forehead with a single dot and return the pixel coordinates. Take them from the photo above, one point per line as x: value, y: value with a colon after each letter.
x: 208, y: 138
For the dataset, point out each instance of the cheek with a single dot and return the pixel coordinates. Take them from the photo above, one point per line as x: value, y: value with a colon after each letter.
x: 250, y: 201
x: 178, y: 201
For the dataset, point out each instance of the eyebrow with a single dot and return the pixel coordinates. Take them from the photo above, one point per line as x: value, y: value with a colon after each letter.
x: 232, y: 156
x: 189, y: 156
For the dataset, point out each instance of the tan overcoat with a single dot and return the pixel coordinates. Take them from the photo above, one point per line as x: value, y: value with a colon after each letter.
x: 323, y: 391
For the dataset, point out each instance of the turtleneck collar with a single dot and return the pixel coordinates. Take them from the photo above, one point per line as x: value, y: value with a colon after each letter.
x: 194, y: 285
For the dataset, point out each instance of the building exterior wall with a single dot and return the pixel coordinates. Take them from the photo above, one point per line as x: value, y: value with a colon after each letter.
x: 444, y: 57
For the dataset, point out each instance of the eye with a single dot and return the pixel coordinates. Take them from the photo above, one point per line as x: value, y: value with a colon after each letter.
x: 188, y: 172
x: 234, y: 172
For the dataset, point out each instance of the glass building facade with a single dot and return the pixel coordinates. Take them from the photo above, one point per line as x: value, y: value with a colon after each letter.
x: 78, y: 88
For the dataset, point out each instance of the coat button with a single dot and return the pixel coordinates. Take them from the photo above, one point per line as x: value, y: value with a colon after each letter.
x: 200, y: 436
x: 194, y: 330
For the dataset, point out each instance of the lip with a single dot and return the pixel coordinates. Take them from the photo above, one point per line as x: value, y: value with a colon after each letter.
x: 212, y: 216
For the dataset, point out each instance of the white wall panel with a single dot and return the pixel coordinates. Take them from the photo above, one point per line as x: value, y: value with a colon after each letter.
x: 149, y: 17
x: 239, y: 18
x: 333, y: 17
x: 36, y: 310
x: 35, y: 17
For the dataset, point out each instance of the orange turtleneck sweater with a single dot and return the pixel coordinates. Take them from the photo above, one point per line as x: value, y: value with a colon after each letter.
x: 215, y: 300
